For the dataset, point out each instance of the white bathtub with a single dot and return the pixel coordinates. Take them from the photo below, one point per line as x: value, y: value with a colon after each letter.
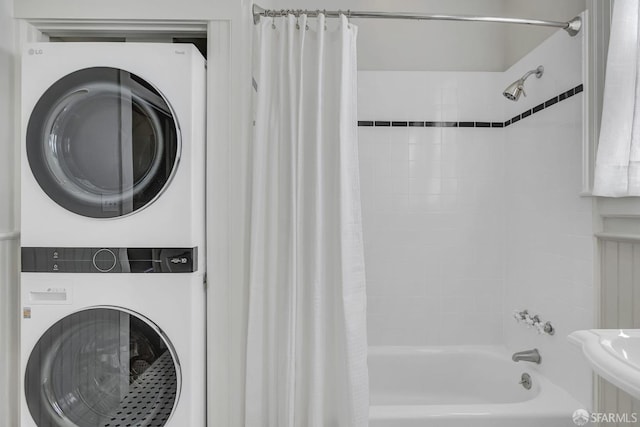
x: 461, y: 386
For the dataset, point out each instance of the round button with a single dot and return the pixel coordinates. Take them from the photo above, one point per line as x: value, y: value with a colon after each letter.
x: 104, y: 260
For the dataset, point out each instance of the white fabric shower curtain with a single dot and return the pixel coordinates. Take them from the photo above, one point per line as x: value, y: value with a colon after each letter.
x: 306, y: 349
x: 618, y: 160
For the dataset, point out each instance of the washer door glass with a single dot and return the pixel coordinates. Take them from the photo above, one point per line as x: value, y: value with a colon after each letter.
x: 102, y: 142
x: 102, y: 367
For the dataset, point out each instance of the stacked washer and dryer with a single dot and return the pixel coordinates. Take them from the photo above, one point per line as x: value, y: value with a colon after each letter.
x: 112, y: 283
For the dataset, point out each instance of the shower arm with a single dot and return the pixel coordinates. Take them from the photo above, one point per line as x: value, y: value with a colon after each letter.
x: 538, y: 72
x: 572, y: 27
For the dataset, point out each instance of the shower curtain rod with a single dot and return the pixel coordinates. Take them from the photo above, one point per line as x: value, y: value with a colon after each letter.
x: 572, y: 27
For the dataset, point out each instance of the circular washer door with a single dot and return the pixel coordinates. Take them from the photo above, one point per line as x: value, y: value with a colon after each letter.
x: 102, y: 142
x: 102, y: 367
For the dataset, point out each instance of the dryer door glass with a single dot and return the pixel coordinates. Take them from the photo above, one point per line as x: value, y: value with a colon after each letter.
x: 102, y: 367
x: 102, y: 142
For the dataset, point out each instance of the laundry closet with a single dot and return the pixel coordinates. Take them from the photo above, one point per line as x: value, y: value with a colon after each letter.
x: 95, y: 221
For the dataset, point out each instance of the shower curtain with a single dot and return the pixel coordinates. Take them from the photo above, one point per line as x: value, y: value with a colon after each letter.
x: 306, y: 350
x: 617, y: 171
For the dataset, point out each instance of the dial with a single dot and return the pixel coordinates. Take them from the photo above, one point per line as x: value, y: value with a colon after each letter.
x: 104, y: 260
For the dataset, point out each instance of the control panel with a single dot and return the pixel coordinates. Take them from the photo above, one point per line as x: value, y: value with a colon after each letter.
x: 109, y: 260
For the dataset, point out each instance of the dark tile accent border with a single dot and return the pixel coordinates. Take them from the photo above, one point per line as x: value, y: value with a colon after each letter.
x: 441, y: 124
x: 548, y: 103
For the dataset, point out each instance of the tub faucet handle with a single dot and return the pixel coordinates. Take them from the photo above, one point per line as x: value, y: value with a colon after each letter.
x: 525, y: 381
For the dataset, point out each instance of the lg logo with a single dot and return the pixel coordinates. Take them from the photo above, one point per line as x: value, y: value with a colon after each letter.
x: 35, y: 52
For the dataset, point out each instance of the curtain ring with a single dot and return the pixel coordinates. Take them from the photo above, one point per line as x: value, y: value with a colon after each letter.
x: 297, y: 15
x: 324, y: 12
x: 273, y: 20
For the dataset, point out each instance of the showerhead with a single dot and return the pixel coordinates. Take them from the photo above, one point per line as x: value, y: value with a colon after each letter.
x: 513, y: 91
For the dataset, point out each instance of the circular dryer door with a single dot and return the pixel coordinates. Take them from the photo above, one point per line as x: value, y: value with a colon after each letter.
x: 102, y: 367
x: 102, y: 142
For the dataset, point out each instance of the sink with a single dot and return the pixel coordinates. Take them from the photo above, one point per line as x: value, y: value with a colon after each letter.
x: 614, y: 354
x: 625, y: 347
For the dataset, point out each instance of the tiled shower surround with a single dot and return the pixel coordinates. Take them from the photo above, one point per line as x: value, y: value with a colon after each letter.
x: 433, y: 210
x: 466, y: 220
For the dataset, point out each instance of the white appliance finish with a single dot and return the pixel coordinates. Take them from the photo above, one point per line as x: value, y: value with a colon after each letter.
x: 173, y: 303
x: 170, y: 74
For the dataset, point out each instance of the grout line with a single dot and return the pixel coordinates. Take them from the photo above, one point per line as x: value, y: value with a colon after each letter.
x: 527, y: 113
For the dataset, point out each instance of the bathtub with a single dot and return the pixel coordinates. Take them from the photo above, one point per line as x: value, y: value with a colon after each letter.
x: 461, y: 386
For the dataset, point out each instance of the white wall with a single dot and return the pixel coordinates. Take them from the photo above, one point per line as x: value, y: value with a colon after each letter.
x: 432, y: 208
x: 446, y: 46
x: 414, y: 45
x: 8, y: 248
x: 521, y: 41
x: 125, y: 9
x: 549, y: 226
x: 7, y: 64
x: 407, y: 45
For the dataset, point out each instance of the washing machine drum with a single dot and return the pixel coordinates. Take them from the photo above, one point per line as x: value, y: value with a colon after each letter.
x: 102, y: 142
x: 102, y: 367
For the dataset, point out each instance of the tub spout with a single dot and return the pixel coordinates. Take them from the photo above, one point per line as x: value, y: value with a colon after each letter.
x: 527, y: 356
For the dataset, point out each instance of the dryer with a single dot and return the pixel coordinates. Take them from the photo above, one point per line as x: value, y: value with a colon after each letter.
x: 112, y: 349
x: 112, y: 145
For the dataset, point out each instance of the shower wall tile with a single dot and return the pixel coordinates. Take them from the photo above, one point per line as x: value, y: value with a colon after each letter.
x: 549, y: 257
x: 464, y: 225
x: 433, y: 96
x: 432, y: 211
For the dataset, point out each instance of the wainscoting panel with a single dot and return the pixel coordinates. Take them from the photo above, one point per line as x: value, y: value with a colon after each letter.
x: 620, y: 305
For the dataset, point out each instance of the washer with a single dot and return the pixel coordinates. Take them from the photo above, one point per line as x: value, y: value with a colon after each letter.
x: 109, y: 350
x: 112, y: 144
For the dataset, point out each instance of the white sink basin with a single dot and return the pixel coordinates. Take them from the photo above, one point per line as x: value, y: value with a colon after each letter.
x: 614, y: 354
